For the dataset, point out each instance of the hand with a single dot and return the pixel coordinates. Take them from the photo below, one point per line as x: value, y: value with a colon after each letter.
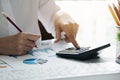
x: 64, y: 23
x: 18, y: 44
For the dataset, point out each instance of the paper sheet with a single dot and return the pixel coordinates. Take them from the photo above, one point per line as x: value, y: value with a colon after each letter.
x: 46, y: 52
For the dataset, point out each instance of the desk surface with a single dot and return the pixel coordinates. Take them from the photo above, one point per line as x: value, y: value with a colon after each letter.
x: 58, y: 68
x: 104, y: 68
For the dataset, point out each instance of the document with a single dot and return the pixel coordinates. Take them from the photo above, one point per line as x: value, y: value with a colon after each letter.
x: 35, y: 57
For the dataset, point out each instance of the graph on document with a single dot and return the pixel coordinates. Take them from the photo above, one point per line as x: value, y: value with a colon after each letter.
x: 36, y: 56
x: 37, y: 50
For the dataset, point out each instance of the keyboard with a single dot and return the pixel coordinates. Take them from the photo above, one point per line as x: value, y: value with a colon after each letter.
x: 60, y: 71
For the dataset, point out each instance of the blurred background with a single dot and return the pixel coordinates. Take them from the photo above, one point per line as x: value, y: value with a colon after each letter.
x: 96, y: 22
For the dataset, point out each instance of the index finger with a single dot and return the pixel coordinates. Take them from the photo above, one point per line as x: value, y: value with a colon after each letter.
x: 72, y: 39
x: 74, y: 42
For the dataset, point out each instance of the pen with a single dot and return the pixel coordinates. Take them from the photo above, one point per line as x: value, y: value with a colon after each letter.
x: 116, y: 11
x: 6, y: 16
x: 113, y: 14
x: 13, y: 23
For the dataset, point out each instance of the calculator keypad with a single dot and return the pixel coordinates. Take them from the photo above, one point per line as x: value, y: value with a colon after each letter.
x: 73, y: 50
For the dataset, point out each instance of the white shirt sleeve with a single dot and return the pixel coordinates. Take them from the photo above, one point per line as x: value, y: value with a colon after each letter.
x: 46, y: 11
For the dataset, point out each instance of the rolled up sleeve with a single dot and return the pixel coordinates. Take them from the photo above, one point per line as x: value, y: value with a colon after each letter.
x: 46, y: 12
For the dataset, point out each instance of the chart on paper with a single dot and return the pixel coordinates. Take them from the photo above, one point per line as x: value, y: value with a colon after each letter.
x: 35, y: 57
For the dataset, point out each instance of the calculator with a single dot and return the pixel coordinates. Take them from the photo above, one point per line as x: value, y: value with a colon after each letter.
x: 84, y: 53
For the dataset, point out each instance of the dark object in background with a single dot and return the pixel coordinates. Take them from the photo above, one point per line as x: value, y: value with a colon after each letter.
x: 45, y: 35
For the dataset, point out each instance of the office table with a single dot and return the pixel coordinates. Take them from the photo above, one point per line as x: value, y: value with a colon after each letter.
x: 103, y: 68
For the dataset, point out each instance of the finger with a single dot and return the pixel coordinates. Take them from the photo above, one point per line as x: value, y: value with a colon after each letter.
x: 75, y: 29
x: 21, y: 53
x: 72, y: 39
x: 66, y: 38
x: 29, y: 43
x: 33, y: 37
x: 58, y: 36
x: 27, y: 48
x: 23, y: 49
x: 74, y: 42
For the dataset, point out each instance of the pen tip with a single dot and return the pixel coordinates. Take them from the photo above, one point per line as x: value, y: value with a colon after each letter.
x: 4, y: 14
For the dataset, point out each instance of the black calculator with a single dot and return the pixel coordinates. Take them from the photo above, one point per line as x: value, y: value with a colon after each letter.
x: 84, y: 53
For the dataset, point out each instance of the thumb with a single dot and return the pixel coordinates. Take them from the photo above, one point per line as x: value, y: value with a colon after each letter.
x: 58, y: 36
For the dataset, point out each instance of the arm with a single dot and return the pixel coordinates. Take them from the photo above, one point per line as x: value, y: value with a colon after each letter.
x: 57, y: 21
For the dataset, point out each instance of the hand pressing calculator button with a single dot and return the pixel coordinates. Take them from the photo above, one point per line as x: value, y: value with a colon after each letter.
x: 84, y: 53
